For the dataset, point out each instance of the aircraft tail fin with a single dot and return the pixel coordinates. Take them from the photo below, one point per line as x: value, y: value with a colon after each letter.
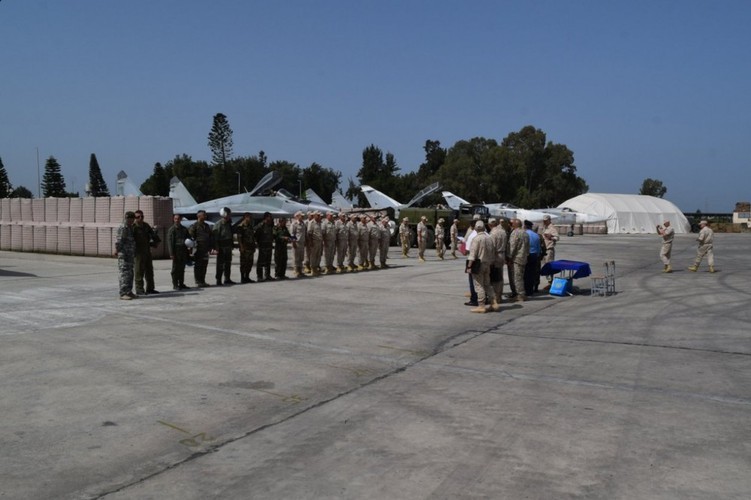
x: 453, y: 201
x: 125, y: 186
x: 180, y: 195
x: 377, y: 199
x: 311, y: 195
x: 339, y: 201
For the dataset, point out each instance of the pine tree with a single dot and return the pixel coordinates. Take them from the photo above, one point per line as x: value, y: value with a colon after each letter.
x: 53, y: 183
x: 5, y: 187
x: 97, y: 186
x: 220, y: 140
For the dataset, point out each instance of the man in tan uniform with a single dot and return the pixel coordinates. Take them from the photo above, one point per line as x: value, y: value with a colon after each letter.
x: 363, y: 242
x: 352, y: 241
x: 517, y: 256
x: 500, y: 242
x: 404, y: 237
x: 422, y: 238
x: 549, y: 237
x: 385, y: 241
x: 328, y: 230
x: 440, y: 234
x: 342, y: 241
x: 667, y: 233
x: 482, y: 250
x: 705, y: 239
x: 298, y: 230
x: 454, y: 234
x: 374, y: 241
x: 306, y: 264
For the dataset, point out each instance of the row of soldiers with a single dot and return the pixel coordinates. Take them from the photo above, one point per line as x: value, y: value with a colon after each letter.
x: 321, y: 244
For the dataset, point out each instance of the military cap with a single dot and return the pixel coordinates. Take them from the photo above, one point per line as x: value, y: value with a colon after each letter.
x: 298, y: 213
x: 476, y: 217
x: 406, y: 219
x: 441, y: 220
x: 546, y: 217
x: 492, y: 220
x: 130, y: 215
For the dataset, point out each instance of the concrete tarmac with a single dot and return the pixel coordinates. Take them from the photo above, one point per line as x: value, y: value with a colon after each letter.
x: 379, y: 384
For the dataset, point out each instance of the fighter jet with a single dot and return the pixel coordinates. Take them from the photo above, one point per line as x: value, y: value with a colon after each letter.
x: 125, y: 186
x: 378, y: 200
x: 506, y: 210
x: 567, y: 216
x: 278, y: 204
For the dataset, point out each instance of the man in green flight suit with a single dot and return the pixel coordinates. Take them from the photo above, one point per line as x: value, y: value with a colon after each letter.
x: 224, y: 242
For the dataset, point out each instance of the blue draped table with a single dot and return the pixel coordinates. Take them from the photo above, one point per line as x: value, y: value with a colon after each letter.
x: 568, y: 268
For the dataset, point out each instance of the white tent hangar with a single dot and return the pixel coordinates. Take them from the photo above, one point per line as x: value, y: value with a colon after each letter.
x: 630, y: 213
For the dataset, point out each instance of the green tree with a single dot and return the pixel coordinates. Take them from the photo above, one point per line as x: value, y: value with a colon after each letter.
x: 21, y: 192
x: 653, y: 187
x: 378, y: 173
x: 196, y: 175
x: 472, y: 170
x: 220, y: 140
x: 5, y: 186
x: 435, y: 157
x: 251, y: 169
x: 53, y: 183
x: 97, y: 186
x: 158, y: 183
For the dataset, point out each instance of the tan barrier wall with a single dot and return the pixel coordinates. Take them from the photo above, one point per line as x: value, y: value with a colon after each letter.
x: 77, y: 226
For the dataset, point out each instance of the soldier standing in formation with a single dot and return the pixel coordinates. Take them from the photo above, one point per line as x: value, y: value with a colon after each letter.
x: 482, y: 253
x: 518, y: 252
x: 363, y: 242
x: 352, y: 238
x: 125, y: 250
x: 178, y: 252
x: 385, y: 241
x: 374, y: 241
x: 328, y: 231
x: 308, y: 242
x: 404, y: 237
x: 439, y: 236
x: 315, y: 243
x: 549, y: 239
x: 342, y: 241
x: 298, y: 230
x: 422, y: 238
x: 454, y: 234
x: 264, y: 234
x: 282, y: 237
x: 705, y: 239
x: 224, y: 241
x: 247, y: 242
x: 145, y: 238
x: 667, y: 233
x: 200, y: 232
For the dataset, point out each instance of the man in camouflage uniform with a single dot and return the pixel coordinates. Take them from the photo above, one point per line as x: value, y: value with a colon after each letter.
x: 518, y: 252
x: 363, y: 242
x: 247, y: 240
x: 224, y: 241
x: 454, y: 235
x: 385, y: 241
x: 282, y: 237
x: 178, y: 252
x: 374, y: 241
x: 500, y: 242
x: 315, y: 243
x: 667, y: 234
x: 706, y: 247
x: 549, y: 239
x: 125, y: 250
x: 328, y: 231
x: 299, y: 231
x: 440, y: 234
x: 482, y: 250
x: 146, y: 238
x: 422, y: 238
x: 342, y: 241
x: 353, y: 238
x: 404, y: 237
x: 200, y: 232
x: 264, y: 234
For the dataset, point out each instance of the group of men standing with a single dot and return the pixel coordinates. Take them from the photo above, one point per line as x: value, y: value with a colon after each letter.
x: 321, y: 244
x: 705, y: 240
x: 517, y: 246
x: 422, y: 236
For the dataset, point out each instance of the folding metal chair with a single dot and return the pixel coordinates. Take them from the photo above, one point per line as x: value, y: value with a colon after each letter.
x: 610, y: 277
x: 601, y: 282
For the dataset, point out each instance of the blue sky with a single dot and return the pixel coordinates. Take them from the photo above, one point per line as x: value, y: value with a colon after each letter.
x: 635, y: 89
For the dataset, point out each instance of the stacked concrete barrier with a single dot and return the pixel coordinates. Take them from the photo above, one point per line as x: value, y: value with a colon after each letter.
x: 77, y: 226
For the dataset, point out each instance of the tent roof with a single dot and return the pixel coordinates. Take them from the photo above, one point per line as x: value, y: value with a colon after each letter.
x: 630, y: 213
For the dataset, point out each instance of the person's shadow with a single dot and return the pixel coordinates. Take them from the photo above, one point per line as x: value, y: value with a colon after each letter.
x: 15, y: 274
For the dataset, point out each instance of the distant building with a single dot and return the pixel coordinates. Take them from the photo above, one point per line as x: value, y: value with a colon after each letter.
x: 742, y: 213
